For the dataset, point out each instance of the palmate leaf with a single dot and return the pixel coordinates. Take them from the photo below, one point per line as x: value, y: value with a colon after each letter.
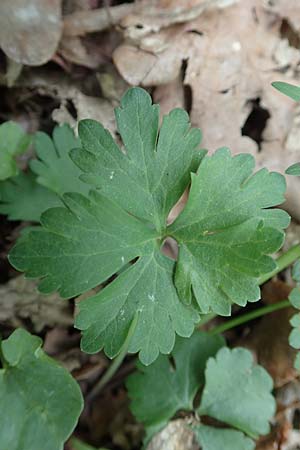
x: 224, y: 233
x: 40, y: 401
x: 236, y: 392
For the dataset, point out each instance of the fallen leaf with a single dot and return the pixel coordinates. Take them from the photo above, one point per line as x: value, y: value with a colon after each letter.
x: 177, y: 435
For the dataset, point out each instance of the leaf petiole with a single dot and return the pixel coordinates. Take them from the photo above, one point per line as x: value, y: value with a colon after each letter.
x: 249, y: 316
x: 116, y: 362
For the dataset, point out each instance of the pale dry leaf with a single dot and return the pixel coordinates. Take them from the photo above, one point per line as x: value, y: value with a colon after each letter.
x: 156, y: 43
x: 95, y: 20
x: 177, y: 435
x: 20, y: 301
x: 22, y: 30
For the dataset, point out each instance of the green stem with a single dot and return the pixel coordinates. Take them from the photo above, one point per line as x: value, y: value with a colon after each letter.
x: 282, y: 263
x: 117, y: 361
x: 249, y: 316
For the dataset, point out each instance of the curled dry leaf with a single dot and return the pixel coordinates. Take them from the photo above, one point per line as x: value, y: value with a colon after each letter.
x: 22, y: 30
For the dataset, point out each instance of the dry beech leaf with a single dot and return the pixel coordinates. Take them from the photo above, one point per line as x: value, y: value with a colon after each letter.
x: 22, y: 30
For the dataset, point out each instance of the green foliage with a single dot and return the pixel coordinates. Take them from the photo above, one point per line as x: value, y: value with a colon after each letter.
x: 22, y: 198
x: 29, y: 194
x: 172, y: 388
x: 236, y: 392
x: 288, y: 89
x: 294, y: 298
x: 215, y: 439
x: 225, y: 232
x: 40, y: 401
x: 223, y: 243
x: 294, y: 93
x: 294, y: 169
x: 54, y: 168
x: 13, y: 142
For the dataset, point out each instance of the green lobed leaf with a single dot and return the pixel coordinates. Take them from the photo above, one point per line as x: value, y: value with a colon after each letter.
x: 288, y: 89
x: 54, y: 168
x: 157, y: 392
x: 294, y: 169
x: 211, y: 438
x: 225, y: 232
x: 237, y: 392
x: 146, y: 287
x: 13, y: 141
x: 22, y: 198
x: 40, y: 401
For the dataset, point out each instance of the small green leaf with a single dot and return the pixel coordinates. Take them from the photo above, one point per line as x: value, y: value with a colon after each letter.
x: 172, y: 388
x: 236, y: 390
x: 288, y: 89
x: 297, y: 362
x: 22, y: 198
x: 54, y: 168
x: 40, y: 401
x: 294, y: 169
x: 294, y: 337
x: 211, y: 438
x: 296, y: 271
x: 225, y: 232
x: 294, y: 298
x: 13, y: 142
